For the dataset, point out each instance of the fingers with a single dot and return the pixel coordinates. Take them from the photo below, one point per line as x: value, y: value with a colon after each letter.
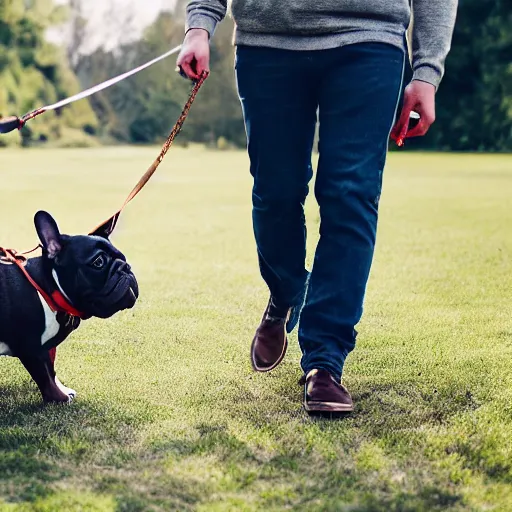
x: 193, y: 65
x: 425, y: 122
x: 187, y: 63
x: 194, y: 57
x: 400, y: 129
x: 420, y: 97
x: 203, y: 63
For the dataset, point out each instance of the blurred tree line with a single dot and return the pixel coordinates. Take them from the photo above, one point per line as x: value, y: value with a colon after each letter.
x: 34, y: 72
x: 474, y: 111
x: 144, y: 108
x: 474, y: 102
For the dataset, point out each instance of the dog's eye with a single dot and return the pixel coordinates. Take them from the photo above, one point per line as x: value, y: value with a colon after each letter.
x: 99, y: 262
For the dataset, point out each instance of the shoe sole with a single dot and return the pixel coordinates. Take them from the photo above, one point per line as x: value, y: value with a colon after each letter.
x: 259, y: 369
x: 322, y: 408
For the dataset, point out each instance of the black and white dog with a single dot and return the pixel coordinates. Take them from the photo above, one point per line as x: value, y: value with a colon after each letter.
x: 79, y: 277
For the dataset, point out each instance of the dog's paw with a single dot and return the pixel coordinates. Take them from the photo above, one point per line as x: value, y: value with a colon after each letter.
x: 71, y: 393
x: 57, y: 398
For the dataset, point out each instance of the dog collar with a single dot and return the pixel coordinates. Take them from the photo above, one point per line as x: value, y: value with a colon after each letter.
x: 62, y: 305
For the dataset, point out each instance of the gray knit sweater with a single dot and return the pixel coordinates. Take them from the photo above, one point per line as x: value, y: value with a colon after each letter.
x: 322, y: 24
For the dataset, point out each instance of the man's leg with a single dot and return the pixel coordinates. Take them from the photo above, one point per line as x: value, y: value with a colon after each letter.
x: 279, y: 100
x: 279, y: 105
x: 358, y: 100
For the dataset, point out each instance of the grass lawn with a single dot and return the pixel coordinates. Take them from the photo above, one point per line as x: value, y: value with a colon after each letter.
x: 170, y: 416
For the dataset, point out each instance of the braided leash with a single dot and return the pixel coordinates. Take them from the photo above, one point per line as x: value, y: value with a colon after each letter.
x: 109, y: 225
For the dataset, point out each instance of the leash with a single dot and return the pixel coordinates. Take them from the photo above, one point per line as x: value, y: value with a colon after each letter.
x: 56, y: 301
x: 11, y: 123
x: 109, y: 225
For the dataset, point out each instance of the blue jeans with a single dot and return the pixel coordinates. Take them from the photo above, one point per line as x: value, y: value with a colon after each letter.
x: 356, y: 89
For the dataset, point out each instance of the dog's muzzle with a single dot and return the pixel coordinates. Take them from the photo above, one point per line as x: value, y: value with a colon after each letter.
x: 120, y: 292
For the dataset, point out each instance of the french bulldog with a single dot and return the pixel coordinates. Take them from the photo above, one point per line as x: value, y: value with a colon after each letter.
x: 91, y: 277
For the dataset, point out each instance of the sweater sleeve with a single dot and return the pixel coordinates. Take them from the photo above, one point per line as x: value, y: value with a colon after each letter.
x: 205, y: 14
x: 432, y: 30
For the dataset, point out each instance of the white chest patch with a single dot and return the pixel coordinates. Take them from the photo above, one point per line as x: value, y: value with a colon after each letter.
x: 4, y: 349
x: 51, y: 326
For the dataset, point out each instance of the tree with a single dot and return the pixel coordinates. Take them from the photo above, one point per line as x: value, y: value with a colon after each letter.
x: 34, y: 72
x: 474, y: 104
x: 144, y: 108
x: 83, y: 34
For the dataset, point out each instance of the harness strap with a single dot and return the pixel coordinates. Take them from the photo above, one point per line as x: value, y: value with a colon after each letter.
x: 56, y: 300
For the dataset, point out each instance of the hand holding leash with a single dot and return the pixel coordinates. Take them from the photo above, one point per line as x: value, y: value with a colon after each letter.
x: 194, y: 58
x: 418, y: 112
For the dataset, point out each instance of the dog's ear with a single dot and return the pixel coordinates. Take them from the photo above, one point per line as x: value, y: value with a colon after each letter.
x: 106, y: 229
x: 48, y: 233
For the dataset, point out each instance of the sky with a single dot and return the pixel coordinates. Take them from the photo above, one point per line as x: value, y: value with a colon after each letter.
x: 146, y: 10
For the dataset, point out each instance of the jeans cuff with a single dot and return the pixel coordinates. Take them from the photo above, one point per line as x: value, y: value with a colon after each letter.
x: 335, y: 370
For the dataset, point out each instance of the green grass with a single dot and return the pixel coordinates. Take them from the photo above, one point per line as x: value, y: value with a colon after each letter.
x: 169, y: 414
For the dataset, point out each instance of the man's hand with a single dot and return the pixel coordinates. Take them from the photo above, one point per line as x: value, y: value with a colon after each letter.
x: 194, y: 57
x: 420, y: 97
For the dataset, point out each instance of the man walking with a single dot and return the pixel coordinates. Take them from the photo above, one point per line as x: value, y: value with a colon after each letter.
x: 344, y: 58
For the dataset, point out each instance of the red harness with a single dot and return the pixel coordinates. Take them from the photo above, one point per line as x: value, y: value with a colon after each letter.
x: 56, y: 300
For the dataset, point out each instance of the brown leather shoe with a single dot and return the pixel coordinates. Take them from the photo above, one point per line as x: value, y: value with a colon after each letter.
x: 322, y: 394
x: 269, y: 343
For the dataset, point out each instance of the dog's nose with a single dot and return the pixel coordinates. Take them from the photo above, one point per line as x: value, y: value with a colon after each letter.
x: 123, y: 266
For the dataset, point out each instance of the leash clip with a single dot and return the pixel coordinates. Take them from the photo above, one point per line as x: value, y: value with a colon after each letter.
x: 12, y: 256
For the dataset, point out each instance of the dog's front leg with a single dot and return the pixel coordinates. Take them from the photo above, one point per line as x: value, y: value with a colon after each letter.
x: 68, y: 391
x: 42, y: 371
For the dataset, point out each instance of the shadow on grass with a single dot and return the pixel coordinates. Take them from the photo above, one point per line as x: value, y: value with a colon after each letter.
x: 321, y: 459
x: 379, y: 408
x: 89, y: 446
x: 42, y: 445
x: 293, y: 480
x: 284, y: 459
x: 26, y: 475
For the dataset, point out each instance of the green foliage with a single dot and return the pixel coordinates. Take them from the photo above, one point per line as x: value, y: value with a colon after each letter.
x: 144, y: 108
x: 34, y: 72
x: 474, y: 103
x: 74, y: 138
x: 474, y: 107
